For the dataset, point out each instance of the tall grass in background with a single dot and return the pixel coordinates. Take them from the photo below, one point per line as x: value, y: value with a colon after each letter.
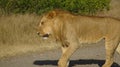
x: 18, y: 29
x: 18, y: 35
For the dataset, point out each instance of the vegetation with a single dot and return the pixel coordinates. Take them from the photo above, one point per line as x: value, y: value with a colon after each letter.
x: 18, y: 35
x: 40, y: 6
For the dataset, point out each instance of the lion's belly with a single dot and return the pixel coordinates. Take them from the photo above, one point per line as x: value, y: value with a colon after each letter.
x: 91, y: 37
x: 89, y: 40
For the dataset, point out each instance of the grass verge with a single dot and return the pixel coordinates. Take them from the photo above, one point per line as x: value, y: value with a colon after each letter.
x: 18, y: 35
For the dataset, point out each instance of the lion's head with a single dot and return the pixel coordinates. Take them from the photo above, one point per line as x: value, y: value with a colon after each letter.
x: 52, y: 22
x: 46, y: 24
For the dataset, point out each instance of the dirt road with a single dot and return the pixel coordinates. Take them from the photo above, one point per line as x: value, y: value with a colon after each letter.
x: 92, y: 56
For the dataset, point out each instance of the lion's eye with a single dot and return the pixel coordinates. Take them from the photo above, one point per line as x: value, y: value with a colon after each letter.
x: 42, y: 23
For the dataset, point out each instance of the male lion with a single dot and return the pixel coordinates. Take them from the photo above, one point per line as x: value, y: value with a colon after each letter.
x: 73, y: 30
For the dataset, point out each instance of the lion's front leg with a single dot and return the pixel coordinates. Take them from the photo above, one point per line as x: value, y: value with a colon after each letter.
x: 64, y: 48
x: 67, y: 52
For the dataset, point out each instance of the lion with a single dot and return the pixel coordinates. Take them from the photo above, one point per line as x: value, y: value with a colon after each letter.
x: 72, y: 30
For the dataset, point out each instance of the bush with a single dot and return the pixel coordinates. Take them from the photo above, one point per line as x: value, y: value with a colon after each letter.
x: 40, y: 6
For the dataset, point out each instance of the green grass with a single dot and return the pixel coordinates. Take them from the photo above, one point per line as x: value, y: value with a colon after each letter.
x: 40, y: 6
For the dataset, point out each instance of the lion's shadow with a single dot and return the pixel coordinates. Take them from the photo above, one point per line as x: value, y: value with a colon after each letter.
x: 74, y: 62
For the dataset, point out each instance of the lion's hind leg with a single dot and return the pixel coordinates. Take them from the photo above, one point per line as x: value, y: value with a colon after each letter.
x: 110, y: 46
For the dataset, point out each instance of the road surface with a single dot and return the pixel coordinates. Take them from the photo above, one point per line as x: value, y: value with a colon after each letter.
x: 92, y: 56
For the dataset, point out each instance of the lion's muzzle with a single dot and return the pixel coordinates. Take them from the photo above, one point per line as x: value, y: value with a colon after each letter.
x: 44, y: 36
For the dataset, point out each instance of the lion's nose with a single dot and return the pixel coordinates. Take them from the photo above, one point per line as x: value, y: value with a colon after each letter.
x: 38, y: 33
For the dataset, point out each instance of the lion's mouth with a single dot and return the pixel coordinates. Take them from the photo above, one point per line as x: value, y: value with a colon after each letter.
x: 45, y: 36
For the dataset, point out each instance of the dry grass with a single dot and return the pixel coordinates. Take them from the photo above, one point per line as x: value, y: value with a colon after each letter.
x: 17, y: 28
x: 18, y: 35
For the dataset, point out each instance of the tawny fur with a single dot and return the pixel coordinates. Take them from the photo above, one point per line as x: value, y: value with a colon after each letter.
x: 73, y: 30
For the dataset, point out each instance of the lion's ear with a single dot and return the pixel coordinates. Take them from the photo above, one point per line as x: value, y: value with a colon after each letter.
x: 52, y: 14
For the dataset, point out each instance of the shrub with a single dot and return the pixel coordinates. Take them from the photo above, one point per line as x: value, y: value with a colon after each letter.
x: 40, y: 6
